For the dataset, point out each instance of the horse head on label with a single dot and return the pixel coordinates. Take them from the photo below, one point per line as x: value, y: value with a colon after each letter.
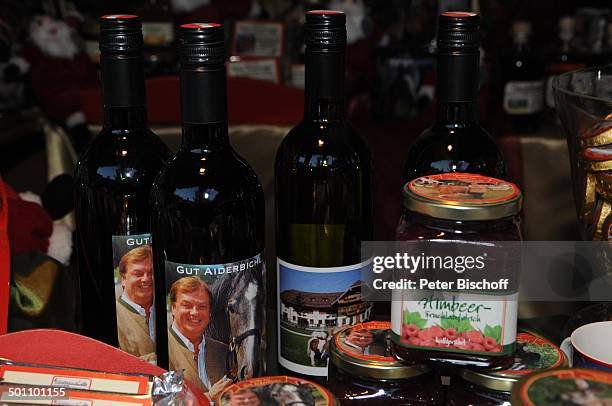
x: 237, y: 319
x: 289, y: 394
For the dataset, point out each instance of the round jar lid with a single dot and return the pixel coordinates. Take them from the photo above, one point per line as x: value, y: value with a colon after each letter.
x: 462, y: 196
x: 277, y: 390
x: 364, y: 350
x: 577, y: 386
x: 533, y: 353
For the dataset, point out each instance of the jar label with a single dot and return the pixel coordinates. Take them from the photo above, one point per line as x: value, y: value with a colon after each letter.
x: 282, y: 390
x: 216, y: 320
x: 313, y: 304
x: 134, y: 295
x: 367, y: 341
x: 524, y: 97
x: 567, y: 386
x: 455, y: 322
x: 465, y: 188
x: 533, y: 353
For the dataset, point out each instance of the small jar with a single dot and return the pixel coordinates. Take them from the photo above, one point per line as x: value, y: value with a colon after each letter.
x: 362, y: 370
x: 276, y: 390
x: 493, y: 388
x: 456, y: 327
x: 564, y: 386
x: 461, y: 206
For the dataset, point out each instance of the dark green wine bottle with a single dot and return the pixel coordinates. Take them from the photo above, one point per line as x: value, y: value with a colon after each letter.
x: 208, y: 233
x: 324, y: 209
x: 113, y: 180
x: 456, y: 142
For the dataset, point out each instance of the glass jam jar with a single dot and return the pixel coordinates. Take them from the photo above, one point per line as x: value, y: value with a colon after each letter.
x: 458, y: 328
x: 362, y: 370
x: 462, y: 206
x: 493, y: 388
x: 276, y: 390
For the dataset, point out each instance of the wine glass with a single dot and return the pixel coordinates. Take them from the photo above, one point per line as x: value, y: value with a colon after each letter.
x: 584, y: 105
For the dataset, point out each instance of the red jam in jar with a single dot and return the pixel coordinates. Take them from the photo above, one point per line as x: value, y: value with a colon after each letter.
x: 362, y: 370
x: 458, y: 328
x: 493, y: 388
x: 276, y: 390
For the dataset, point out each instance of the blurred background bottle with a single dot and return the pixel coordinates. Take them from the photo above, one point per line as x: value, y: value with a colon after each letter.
x: 523, y: 77
x: 565, y: 57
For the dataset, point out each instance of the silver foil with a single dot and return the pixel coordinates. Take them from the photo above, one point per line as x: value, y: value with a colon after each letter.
x: 169, y: 389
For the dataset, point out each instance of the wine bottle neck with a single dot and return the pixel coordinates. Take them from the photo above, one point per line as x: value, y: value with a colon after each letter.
x: 123, y: 91
x: 125, y: 118
x: 204, y: 108
x: 457, y: 87
x: 208, y: 137
x: 457, y: 113
x: 324, y: 95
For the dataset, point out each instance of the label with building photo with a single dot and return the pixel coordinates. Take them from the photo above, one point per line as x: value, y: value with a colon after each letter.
x: 314, y: 304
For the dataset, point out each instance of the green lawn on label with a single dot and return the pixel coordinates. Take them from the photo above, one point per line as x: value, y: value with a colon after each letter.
x: 295, y: 346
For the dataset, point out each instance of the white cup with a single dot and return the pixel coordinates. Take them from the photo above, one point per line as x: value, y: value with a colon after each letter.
x: 590, y: 346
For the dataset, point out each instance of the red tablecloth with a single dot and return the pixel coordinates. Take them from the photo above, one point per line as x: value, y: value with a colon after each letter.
x: 55, y: 347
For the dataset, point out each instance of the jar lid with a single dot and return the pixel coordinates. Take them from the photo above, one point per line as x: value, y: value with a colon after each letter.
x: 364, y: 350
x: 533, y: 353
x: 276, y: 389
x: 462, y: 196
x: 577, y: 386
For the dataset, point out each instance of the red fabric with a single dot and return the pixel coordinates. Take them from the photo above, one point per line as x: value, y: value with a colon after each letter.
x: 55, y: 347
x: 5, y: 260
x: 249, y: 102
x: 359, y: 63
x: 218, y: 11
x: 258, y: 102
x: 57, y: 82
x: 29, y: 225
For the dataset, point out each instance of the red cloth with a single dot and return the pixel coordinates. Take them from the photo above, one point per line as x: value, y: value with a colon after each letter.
x: 5, y: 259
x: 57, y: 82
x: 55, y: 347
x: 29, y: 225
x: 218, y: 11
x: 249, y: 102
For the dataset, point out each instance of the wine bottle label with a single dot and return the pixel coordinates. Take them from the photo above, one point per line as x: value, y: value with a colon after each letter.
x: 455, y: 322
x: 157, y: 33
x: 258, y: 38
x: 216, y: 320
x: 260, y: 69
x: 134, y: 295
x: 525, y: 97
x: 313, y: 304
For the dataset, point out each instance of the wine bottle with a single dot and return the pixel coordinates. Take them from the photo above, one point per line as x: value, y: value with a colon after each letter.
x: 563, y: 58
x: 456, y: 142
x: 113, y: 182
x: 323, y: 180
x: 208, y: 232
x: 523, y: 82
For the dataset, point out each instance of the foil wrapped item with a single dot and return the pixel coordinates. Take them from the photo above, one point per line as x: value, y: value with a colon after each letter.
x: 169, y: 389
